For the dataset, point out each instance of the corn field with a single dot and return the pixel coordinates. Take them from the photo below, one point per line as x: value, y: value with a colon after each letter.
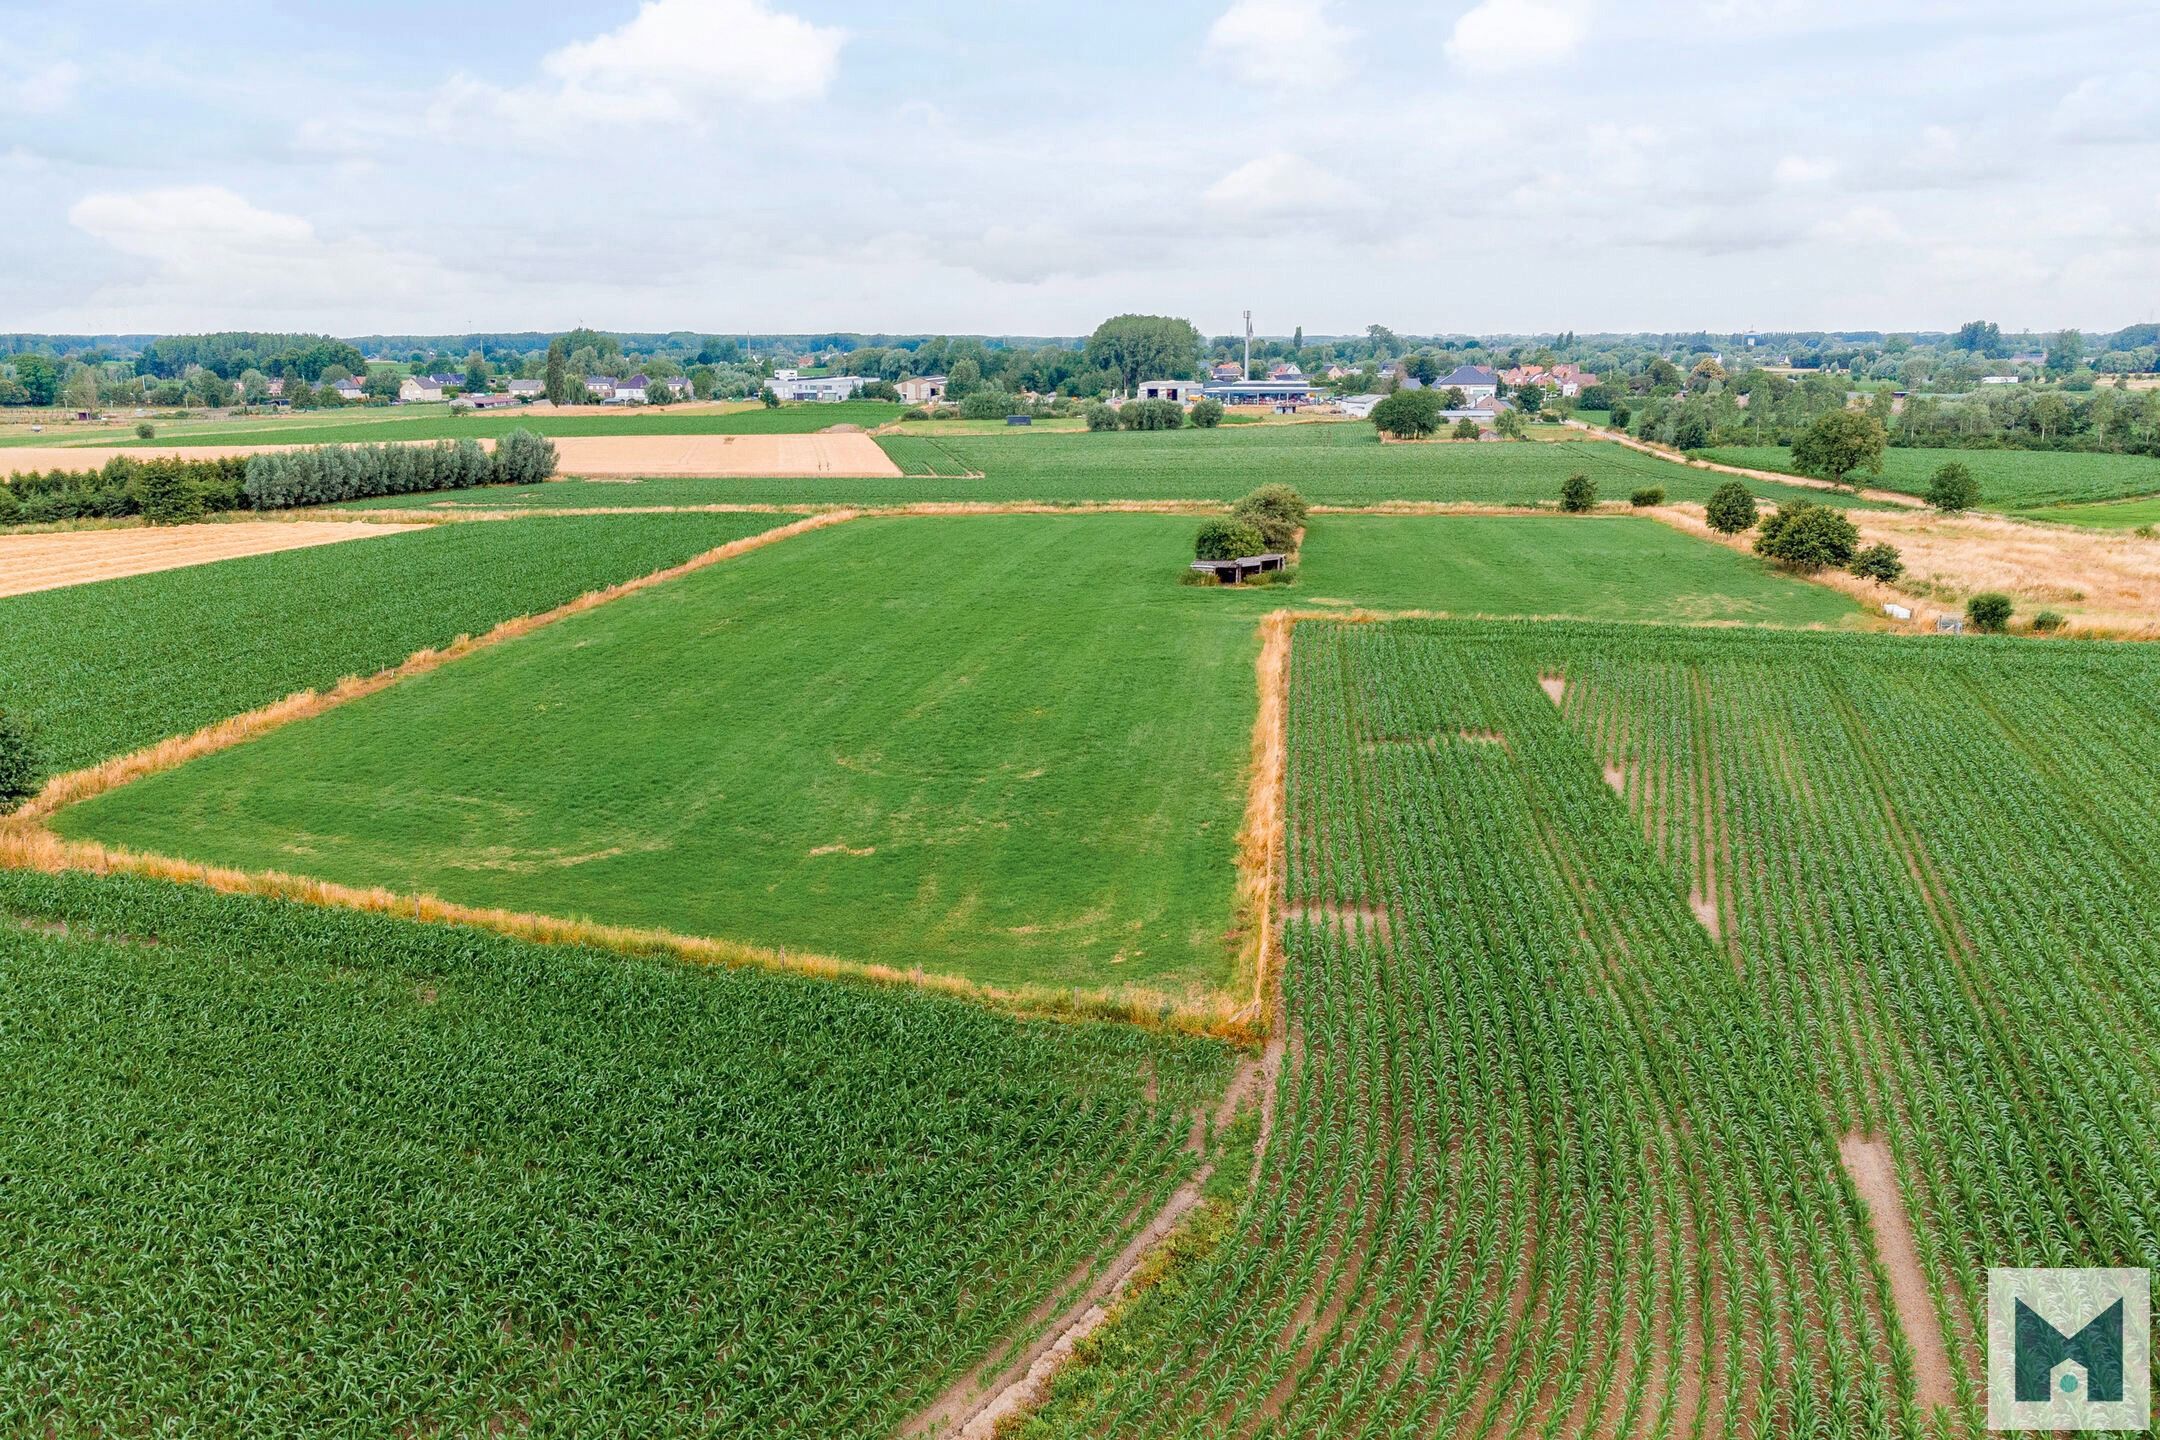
x: 267, y: 1170
x: 1599, y: 942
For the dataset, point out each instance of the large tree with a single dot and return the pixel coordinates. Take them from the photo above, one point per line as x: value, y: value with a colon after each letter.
x: 1132, y: 348
x: 556, y: 385
x: 1839, y: 442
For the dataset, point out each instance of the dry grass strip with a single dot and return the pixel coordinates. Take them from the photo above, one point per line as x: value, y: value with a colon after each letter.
x: 1260, y: 837
x: 29, y: 846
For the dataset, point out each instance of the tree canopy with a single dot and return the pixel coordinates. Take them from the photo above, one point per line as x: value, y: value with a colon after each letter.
x: 1132, y: 348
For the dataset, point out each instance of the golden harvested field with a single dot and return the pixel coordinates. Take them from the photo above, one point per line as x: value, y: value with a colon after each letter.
x: 77, y: 557
x: 843, y: 455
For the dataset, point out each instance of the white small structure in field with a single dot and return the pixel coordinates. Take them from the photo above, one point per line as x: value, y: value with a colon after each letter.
x: 1896, y: 611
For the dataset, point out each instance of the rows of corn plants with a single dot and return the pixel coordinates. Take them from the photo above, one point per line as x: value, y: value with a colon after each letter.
x: 272, y: 1170
x: 1580, y: 998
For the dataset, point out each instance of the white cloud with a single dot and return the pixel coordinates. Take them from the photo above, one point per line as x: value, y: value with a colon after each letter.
x: 2108, y: 109
x: 1281, y: 44
x: 37, y: 89
x: 1803, y: 170
x: 1284, y: 186
x: 1502, y: 35
x: 211, y: 252
x: 675, y: 61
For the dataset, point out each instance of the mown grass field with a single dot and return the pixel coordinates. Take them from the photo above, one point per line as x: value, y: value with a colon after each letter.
x: 280, y: 1171
x: 1587, y: 1000
x: 2009, y: 479
x: 102, y: 669
x: 435, y: 422
x: 1330, y: 464
x: 2107, y: 515
x: 296, y: 427
x: 1008, y: 747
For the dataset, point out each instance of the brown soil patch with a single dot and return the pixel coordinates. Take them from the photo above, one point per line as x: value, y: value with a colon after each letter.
x: 1260, y: 836
x: 1707, y: 913
x: 1616, y: 778
x: 853, y: 455
x: 1868, y: 1163
x: 1555, y: 688
x: 1483, y: 737
x: 836, y: 848
x: 1347, y: 917
x: 53, y: 560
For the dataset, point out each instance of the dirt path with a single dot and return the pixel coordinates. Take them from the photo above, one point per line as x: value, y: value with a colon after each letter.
x: 845, y: 456
x: 1874, y: 1175
x: 52, y: 560
x: 1621, y: 437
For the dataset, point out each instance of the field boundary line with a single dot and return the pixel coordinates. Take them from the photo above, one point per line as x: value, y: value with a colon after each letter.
x: 1260, y: 836
x: 34, y: 847
x: 1778, y: 477
x: 79, y: 785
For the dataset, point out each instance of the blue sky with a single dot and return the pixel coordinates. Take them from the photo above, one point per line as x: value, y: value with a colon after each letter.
x: 730, y: 165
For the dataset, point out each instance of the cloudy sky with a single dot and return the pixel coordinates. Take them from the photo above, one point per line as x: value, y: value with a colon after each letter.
x: 736, y: 165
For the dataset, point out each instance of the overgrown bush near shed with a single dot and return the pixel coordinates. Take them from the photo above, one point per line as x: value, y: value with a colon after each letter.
x: 1227, y: 540
x: 1277, y: 512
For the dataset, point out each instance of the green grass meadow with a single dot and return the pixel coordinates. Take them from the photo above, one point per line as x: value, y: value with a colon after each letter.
x: 2009, y: 479
x: 2105, y: 515
x: 435, y: 422
x: 102, y: 669
x: 1008, y: 747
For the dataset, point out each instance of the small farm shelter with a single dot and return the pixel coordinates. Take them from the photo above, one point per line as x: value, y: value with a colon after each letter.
x: 1896, y: 611
x: 922, y: 389
x: 1184, y: 392
x: 1949, y: 625
x: 1283, y: 395
x: 1230, y: 572
x: 481, y: 400
x: 823, y: 389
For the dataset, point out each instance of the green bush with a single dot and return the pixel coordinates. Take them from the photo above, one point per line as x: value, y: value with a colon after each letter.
x: 2047, y: 622
x: 165, y: 494
x: 1275, y: 511
x: 1988, y: 612
x: 1206, y: 413
x: 991, y: 405
x: 1879, y: 562
x: 1466, y: 429
x: 146, y: 431
x: 1151, y: 415
x: 1808, y: 538
x: 1731, y: 508
x: 1100, y: 417
x: 10, y: 507
x: 1691, y: 432
x: 1953, y: 488
x: 1578, y: 493
x: 1408, y: 414
x: 523, y: 457
x: 1620, y: 417
x: 1649, y: 495
x: 1226, y: 540
x: 22, y: 767
x: 915, y: 413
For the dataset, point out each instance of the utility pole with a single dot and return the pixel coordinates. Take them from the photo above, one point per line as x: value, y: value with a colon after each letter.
x: 1248, y: 344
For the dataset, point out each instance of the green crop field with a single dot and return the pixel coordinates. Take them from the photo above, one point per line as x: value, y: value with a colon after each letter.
x: 1009, y: 747
x: 273, y: 1171
x: 1330, y: 464
x: 1585, y: 1001
x: 106, y: 668
x: 2009, y: 479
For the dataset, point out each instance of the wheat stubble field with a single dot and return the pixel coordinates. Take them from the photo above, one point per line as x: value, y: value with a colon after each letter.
x: 1622, y: 1006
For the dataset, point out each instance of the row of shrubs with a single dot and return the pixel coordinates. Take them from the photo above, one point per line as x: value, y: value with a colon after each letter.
x: 322, y: 474
x: 1154, y: 415
x: 171, y: 490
